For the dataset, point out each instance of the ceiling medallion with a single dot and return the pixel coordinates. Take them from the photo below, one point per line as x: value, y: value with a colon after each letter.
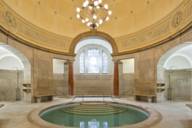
x: 93, y: 13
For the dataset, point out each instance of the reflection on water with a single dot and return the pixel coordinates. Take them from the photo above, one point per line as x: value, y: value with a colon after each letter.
x: 93, y: 124
x: 94, y: 115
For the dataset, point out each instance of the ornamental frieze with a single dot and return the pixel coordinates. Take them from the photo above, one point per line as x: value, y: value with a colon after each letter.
x: 170, y: 25
x: 177, y: 19
x: 9, y: 19
x: 34, y: 36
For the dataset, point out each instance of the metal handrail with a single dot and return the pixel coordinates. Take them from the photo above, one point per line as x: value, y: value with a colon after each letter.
x: 82, y: 98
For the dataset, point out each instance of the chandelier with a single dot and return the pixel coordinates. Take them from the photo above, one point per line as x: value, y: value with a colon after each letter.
x: 93, y: 13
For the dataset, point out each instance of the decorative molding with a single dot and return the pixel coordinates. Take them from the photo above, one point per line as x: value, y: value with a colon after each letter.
x: 93, y: 77
x: 103, y: 35
x: 164, y: 30
x: 17, y: 27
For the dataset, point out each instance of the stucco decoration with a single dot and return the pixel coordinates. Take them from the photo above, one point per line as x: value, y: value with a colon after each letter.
x: 177, y: 19
x: 11, y: 21
x: 30, y: 34
x: 168, y: 27
x: 175, y: 23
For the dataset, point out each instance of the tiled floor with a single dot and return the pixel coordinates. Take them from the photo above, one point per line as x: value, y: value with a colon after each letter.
x: 175, y: 114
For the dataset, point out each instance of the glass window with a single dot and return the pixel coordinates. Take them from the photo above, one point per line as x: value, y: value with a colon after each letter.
x: 58, y: 66
x: 82, y: 62
x: 105, y: 62
x: 93, y: 60
x: 129, y: 65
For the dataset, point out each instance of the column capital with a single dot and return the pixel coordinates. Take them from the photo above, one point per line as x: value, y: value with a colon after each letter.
x: 70, y: 60
x: 116, y: 60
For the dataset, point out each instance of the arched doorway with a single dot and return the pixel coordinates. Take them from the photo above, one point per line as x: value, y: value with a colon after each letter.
x: 93, y: 67
x: 174, y: 73
x: 15, y: 70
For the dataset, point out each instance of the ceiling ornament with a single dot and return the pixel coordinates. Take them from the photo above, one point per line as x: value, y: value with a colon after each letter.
x: 93, y: 13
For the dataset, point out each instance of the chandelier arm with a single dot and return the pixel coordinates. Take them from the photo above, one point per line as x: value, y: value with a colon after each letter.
x: 93, y: 8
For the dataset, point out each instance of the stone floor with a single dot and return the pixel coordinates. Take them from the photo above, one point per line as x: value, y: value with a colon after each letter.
x: 175, y: 114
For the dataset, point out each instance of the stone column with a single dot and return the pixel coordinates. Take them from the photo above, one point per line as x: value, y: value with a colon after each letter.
x: 116, y: 78
x: 70, y: 78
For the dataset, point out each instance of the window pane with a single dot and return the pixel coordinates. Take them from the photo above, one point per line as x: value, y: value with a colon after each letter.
x: 105, y: 63
x: 93, y: 61
x: 58, y: 66
x: 82, y: 63
x: 128, y: 65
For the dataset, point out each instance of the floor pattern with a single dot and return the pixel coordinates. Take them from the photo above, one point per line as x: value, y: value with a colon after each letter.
x: 175, y: 114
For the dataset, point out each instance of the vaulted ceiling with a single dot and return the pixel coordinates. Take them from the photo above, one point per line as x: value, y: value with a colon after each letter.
x: 59, y: 16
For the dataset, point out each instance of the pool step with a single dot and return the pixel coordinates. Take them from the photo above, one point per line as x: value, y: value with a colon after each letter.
x: 93, y: 110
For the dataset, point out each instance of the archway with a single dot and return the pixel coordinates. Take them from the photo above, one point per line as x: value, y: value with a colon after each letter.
x: 93, y: 67
x: 15, y: 71
x: 88, y: 34
x: 174, y: 73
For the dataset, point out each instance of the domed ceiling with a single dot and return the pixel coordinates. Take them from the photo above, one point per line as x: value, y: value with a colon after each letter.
x: 59, y: 16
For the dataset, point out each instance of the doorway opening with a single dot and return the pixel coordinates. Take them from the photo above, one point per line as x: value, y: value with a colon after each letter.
x: 93, y: 67
x: 15, y: 75
x: 174, y: 74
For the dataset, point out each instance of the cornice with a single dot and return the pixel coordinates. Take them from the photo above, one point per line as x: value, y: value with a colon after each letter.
x: 177, y: 22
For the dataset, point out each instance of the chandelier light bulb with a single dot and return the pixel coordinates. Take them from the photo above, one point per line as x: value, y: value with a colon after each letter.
x: 97, y: 24
x: 107, y: 18
x: 93, y: 13
x: 83, y: 21
x: 89, y: 23
x: 98, y: 7
x: 86, y: 20
x: 90, y: 7
x: 100, y: 1
x: 78, y: 16
x: 110, y: 12
x: 106, y: 6
x: 96, y: 3
x: 86, y: 3
x: 78, y: 9
x: 100, y: 21
x: 94, y: 17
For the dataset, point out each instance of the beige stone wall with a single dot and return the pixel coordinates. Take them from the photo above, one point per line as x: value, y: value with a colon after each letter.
x: 43, y: 73
x: 146, y: 64
x: 60, y: 84
x: 9, y: 81
x: 94, y: 85
x: 145, y: 69
x: 167, y: 27
x: 127, y: 84
x: 178, y: 85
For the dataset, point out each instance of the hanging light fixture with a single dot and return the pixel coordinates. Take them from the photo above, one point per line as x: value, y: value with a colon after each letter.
x: 93, y: 13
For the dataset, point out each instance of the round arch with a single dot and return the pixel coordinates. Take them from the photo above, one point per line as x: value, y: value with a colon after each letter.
x: 19, y: 65
x: 170, y: 67
x: 15, y: 67
x: 181, y: 56
x: 168, y: 53
x: 103, y: 35
x: 22, y: 59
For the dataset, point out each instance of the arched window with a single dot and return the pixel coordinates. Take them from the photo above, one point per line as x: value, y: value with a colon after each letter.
x: 93, y: 59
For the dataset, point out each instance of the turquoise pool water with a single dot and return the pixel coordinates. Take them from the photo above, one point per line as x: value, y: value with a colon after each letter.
x: 94, y: 115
